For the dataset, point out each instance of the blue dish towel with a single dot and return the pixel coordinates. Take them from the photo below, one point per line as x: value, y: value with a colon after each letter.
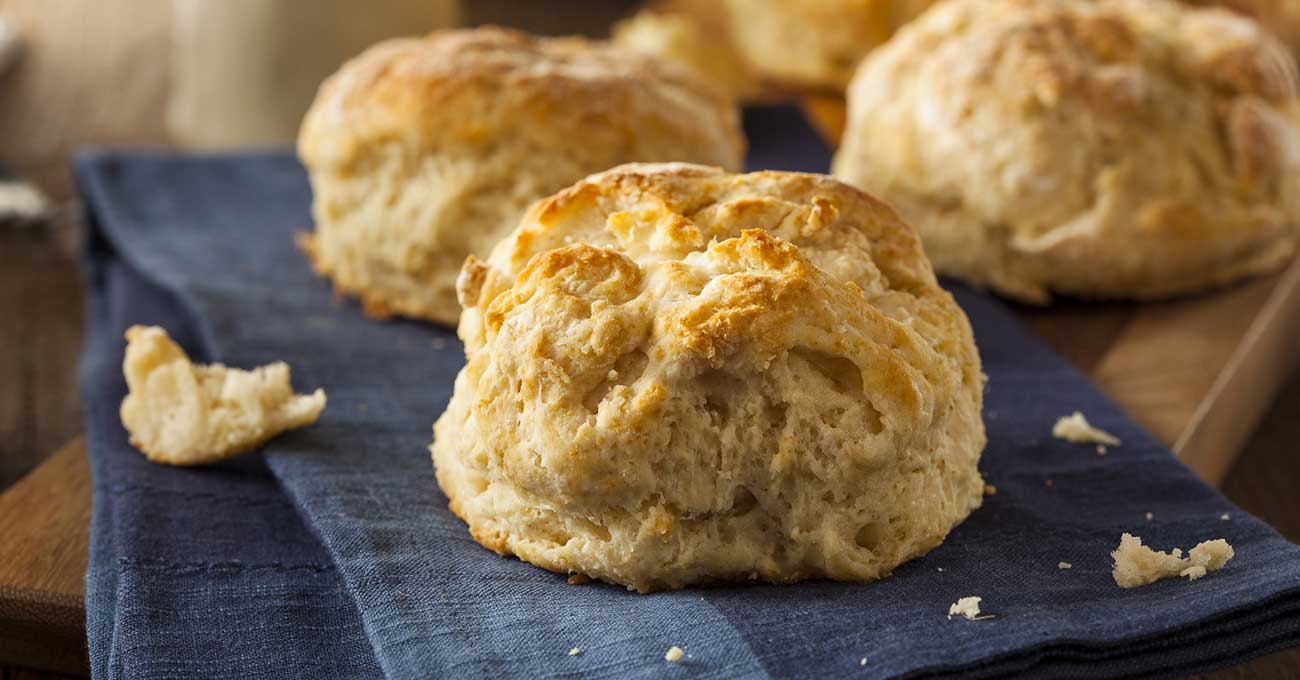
x: 333, y: 553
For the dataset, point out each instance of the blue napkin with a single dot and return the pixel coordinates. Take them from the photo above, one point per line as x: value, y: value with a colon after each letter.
x: 333, y: 554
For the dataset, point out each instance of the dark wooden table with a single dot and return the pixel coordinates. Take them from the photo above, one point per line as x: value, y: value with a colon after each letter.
x: 40, y: 335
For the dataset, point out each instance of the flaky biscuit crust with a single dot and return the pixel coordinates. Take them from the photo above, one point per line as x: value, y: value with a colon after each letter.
x: 815, y: 43
x: 688, y: 41
x: 677, y: 375
x: 422, y: 151
x: 1281, y: 17
x: 1116, y: 148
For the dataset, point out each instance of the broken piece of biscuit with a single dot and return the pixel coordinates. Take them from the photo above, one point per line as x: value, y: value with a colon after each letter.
x: 968, y: 608
x: 180, y: 413
x: 1138, y: 565
x: 1077, y: 429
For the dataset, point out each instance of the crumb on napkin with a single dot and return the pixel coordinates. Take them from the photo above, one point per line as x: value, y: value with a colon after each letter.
x: 1075, y: 428
x: 180, y: 413
x: 968, y: 608
x: 1138, y: 565
x: 1064, y: 565
x: 674, y: 654
x: 575, y: 651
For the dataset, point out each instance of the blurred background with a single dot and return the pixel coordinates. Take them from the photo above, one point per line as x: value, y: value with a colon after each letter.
x: 218, y: 74
x: 200, y: 74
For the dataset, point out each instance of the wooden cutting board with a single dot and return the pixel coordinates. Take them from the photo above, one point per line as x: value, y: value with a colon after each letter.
x: 1198, y: 373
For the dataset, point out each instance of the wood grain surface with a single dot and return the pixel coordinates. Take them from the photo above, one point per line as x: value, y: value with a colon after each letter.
x: 45, y: 527
x: 40, y: 334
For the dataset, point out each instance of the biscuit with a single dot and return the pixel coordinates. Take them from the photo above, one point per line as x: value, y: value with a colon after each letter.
x: 687, y: 41
x: 1282, y: 17
x: 815, y: 43
x: 422, y: 151
x: 1107, y: 149
x: 181, y: 414
x: 677, y: 375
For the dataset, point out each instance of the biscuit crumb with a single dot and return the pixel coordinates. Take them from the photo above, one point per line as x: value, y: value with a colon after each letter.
x: 181, y: 413
x: 968, y: 608
x: 1101, y: 449
x: 674, y: 654
x: 990, y: 490
x: 1150, y: 516
x: 940, y: 568
x: 578, y: 579
x: 1076, y: 428
x: 575, y: 651
x: 1225, y: 517
x: 863, y: 662
x: 1138, y: 565
x: 1064, y: 565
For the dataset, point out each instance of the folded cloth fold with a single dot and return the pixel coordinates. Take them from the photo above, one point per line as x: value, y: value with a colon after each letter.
x: 334, y: 554
x: 194, y: 572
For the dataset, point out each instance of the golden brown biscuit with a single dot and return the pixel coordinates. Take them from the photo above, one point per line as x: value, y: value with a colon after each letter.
x: 1282, y: 17
x: 687, y: 41
x: 1116, y: 148
x: 422, y: 151
x: 815, y: 43
x: 677, y: 375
